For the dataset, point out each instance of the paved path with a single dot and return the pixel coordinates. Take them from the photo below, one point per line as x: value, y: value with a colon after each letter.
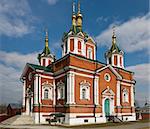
x: 129, y: 126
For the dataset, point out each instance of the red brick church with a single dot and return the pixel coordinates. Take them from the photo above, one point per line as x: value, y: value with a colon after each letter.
x: 77, y: 88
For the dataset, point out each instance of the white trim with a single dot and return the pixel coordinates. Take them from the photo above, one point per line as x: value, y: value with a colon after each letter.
x: 111, y: 68
x: 109, y: 77
x: 70, y: 88
x: 54, y: 93
x: 36, y: 89
x: 48, y: 77
x: 50, y: 89
x: 128, y: 81
x: 24, y: 90
x: 59, y: 76
x: 132, y: 96
x: 96, y: 91
x: 118, y: 93
x: 60, y: 87
x: 126, y: 84
x: 86, y: 86
x: 80, y: 69
x: 40, y: 90
x: 125, y: 95
x: 90, y: 44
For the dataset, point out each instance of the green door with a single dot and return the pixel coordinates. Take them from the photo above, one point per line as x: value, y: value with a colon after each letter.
x: 107, y: 107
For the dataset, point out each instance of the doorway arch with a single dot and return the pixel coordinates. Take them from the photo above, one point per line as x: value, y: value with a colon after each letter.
x: 107, y: 107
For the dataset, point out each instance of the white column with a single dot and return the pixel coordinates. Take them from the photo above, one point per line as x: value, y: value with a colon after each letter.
x: 68, y: 45
x: 36, y: 89
x: 112, y: 60
x: 40, y: 90
x: 118, y: 60
x: 118, y: 93
x: 54, y: 93
x: 70, y: 88
x: 76, y: 45
x: 96, y: 89
x: 24, y: 92
x: 132, y: 95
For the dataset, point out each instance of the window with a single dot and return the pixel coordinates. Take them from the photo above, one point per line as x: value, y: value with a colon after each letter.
x: 60, y: 90
x: 85, y: 90
x: 72, y: 45
x: 43, y: 62
x: 47, y: 90
x: 89, y: 53
x: 107, y: 77
x: 46, y: 94
x: 120, y: 61
x: 83, y: 93
x: 125, y: 95
x: 115, y: 60
x: 79, y: 46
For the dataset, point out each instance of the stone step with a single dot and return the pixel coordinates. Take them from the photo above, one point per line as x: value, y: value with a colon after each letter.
x: 10, y: 120
x: 23, y: 120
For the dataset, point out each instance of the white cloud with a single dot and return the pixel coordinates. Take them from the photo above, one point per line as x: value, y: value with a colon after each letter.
x: 142, y: 73
x: 18, y: 60
x: 132, y: 35
x: 142, y: 77
x: 11, y: 66
x: 52, y: 2
x: 15, y: 17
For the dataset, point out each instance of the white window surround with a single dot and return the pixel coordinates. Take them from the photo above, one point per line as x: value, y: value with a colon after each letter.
x: 125, y: 95
x: 107, y: 77
x: 85, y: 90
x: 108, y: 94
x: 89, y: 53
x: 60, y: 90
x: 47, y: 87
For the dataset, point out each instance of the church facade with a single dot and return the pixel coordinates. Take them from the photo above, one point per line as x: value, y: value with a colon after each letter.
x: 77, y: 88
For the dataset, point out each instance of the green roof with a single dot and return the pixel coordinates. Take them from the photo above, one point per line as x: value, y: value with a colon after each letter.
x: 46, y: 69
x: 115, y: 47
x: 75, y: 30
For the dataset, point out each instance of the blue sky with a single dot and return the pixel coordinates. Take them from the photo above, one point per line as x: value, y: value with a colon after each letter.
x: 22, y: 25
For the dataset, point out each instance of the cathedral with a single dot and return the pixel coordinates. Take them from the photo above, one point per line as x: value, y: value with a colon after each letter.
x: 77, y: 88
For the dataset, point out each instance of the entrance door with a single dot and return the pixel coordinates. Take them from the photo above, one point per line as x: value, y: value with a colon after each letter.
x: 107, y: 107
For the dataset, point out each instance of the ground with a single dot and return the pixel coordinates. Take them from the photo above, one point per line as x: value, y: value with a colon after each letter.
x: 129, y: 125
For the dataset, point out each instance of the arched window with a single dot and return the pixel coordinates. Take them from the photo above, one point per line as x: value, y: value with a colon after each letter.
x: 85, y: 90
x: 60, y: 90
x: 89, y: 53
x: 125, y: 95
x: 47, y: 90
x: 46, y: 94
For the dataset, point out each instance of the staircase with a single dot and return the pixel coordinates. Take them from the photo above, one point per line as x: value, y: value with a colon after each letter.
x: 114, y: 119
x: 23, y: 120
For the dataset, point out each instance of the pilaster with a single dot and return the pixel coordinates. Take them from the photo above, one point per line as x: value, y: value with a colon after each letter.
x: 70, y: 88
x: 118, y: 93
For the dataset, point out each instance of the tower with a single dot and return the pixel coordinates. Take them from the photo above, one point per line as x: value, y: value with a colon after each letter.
x: 46, y: 58
x: 76, y: 41
x: 114, y: 56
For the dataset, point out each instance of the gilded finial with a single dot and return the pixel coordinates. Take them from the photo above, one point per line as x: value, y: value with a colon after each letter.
x: 46, y: 38
x: 113, y: 35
